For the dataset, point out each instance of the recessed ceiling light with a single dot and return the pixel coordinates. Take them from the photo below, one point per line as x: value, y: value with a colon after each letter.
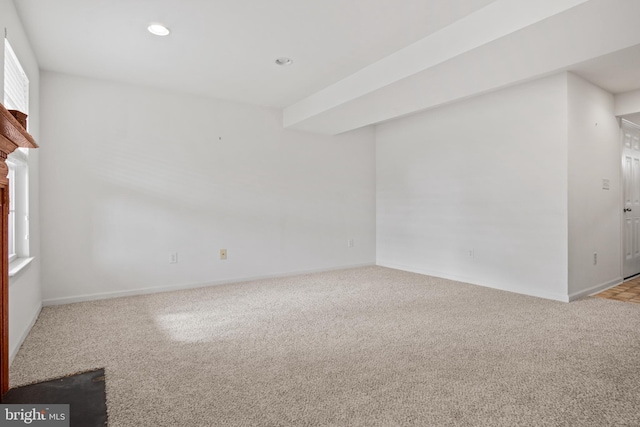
x: 284, y: 61
x: 158, y: 30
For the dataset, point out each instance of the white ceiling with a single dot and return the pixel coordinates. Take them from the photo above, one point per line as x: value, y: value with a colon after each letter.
x: 356, y: 62
x: 226, y: 48
x: 634, y: 118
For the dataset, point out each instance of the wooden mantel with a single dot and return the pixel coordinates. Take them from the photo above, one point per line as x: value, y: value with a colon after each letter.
x: 13, y: 134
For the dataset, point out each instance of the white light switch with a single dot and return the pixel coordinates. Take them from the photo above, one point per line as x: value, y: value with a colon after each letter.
x: 605, y: 184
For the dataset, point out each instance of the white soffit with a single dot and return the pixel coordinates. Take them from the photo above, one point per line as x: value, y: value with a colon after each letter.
x: 507, y: 42
x: 627, y: 103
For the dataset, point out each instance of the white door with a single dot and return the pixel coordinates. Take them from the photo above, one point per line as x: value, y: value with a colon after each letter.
x: 631, y: 209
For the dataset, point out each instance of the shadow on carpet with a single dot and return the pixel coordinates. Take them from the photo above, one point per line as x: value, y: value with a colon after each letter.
x: 84, y: 393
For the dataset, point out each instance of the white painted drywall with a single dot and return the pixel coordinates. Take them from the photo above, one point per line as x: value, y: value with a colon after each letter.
x: 131, y: 174
x: 488, y: 174
x: 496, y: 20
x: 594, y: 213
x: 25, y: 297
x: 627, y: 103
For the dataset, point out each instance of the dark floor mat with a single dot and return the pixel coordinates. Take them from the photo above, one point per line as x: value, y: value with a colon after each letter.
x: 85, y: 394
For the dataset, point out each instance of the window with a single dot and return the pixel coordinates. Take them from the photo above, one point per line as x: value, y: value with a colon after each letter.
x: 12, y: 212
x: 18, y: 207
x: 16, y: 83
x: 16, y: 97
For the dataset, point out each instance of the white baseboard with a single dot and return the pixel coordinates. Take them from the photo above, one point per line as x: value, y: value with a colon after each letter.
x: 520, y: 290
x: 595, y: 289
x: 143, y: 291
x: 14, y: 350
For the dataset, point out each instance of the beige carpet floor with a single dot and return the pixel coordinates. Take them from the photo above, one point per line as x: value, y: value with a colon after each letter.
x: 362, y: 347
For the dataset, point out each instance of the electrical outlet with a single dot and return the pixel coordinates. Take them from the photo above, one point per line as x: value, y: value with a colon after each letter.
x: 471, y: 253
x: 350, y: 243
x: 595, y: 258
x: 223, y: 254
x: 174, y: 258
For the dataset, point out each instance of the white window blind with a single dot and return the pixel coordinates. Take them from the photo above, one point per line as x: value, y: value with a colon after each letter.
x: 16, y: 83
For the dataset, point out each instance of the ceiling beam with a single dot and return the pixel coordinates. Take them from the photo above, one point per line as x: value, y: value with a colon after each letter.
x: 505, y: 43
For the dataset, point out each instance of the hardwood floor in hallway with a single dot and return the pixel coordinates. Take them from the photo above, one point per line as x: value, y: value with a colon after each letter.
x: 628, y: 291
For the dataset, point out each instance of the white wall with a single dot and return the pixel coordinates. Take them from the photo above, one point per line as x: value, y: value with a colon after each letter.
x: 25, y: 298
x: 131, y: 174
x: 594, y: 213
x: 488, y: 174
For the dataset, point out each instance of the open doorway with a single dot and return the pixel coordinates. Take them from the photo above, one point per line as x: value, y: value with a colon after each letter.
x: 629, y: 290
x: 631, y: 196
